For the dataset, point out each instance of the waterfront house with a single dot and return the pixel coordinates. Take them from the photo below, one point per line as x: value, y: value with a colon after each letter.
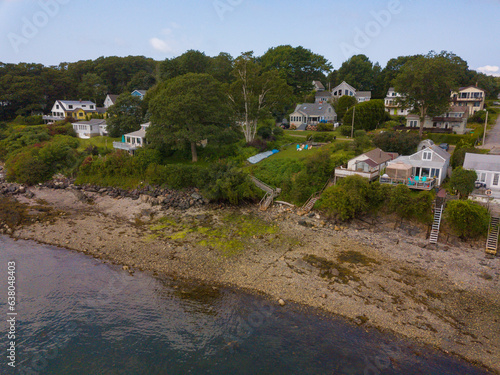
x: 318, y: 86
x: 487, y: 168
x: 312, y: 114
x: 424, y: 170
x: 471, y: 98
x: 91, y: 128
x: 368, y: 165
x: 77, y: 109
x: 323, y: 97
x: 132, y: 141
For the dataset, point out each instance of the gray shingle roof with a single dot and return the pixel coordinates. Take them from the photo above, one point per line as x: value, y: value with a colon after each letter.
x: 482, y: 162
x: 315, y: 109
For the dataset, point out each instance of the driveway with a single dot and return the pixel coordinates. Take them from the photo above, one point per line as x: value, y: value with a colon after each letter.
x: 492, y: 141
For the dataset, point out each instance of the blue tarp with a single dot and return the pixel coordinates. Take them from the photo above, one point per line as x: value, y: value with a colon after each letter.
x: 259, y: 157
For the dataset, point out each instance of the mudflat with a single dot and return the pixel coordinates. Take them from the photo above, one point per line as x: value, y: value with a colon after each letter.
x: 381, y: 274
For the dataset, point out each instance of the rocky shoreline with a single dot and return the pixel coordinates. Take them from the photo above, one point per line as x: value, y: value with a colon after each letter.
x: 381, y: 274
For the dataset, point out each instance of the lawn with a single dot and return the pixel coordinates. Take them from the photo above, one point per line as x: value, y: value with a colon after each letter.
x: 307, y: 133
x: 101, y: 142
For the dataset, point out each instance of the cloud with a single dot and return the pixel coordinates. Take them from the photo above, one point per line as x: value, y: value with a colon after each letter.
x: 490, y: 70
x: 160, y: 45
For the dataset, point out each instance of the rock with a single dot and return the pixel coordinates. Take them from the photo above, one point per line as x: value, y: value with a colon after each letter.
x: 22, y: 189
x: 324, y: 296
x: 281, y: 302
x: 196, y: 196
x: 145, y: 198
x: 336, y: 228
x: 126, y: 268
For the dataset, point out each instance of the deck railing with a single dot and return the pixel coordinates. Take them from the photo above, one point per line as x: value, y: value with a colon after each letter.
x: 429, y: 184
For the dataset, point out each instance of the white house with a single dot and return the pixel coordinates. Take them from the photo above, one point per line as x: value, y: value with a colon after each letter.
x: 91, y: 128
x: 78, y: 109
x: 346, y: 89
x: 391, y: 103
x: 429, y: 165
x: 132, y: 141
x: 487, y: 168
x: 471, y: 97
x: 110, y: 100
x: 312, y: 114
x: 318, y: 86
x: 455, y: 120
x: 368, y: 165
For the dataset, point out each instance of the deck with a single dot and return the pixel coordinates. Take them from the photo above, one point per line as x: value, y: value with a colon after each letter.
x: 412, y: 184
x: 344, y: 172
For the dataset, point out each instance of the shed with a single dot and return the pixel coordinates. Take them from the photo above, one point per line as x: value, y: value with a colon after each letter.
x: 399, y: 171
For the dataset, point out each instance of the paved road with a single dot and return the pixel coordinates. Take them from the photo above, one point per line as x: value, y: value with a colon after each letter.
x: 492, y: 141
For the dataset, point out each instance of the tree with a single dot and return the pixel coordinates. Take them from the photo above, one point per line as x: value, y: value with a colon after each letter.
x: 189, y: 109
x: 342, y: 104
x: 426, y: 83
x: 462, y: 180
x: 402, y: 143
x: 468, y: 219
x: 359, y: 72
x: 297, y: 65
x: 255, y: 94
x: 92, y: 88
x: 125, y: 116
x: 368, y: 115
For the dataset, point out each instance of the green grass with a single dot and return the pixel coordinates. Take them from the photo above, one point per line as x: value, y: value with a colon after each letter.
x: 102, y: 142
x: 307, y: 133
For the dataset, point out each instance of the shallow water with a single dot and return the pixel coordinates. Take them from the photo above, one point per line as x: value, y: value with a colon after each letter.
x: 77, y: 315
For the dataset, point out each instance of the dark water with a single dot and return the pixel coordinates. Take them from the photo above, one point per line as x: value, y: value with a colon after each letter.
x: 79, y: 316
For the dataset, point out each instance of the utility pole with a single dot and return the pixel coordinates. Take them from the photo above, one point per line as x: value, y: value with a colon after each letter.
x: 352, y: 127
x: 485, y: 123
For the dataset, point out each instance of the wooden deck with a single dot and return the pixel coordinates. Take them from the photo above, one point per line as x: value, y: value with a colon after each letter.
x: 412, y: 184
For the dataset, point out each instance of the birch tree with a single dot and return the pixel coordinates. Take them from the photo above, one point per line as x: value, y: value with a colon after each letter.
x: 255, y: 94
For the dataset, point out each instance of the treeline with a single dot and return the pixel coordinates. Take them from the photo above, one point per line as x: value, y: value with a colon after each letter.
x: 27, y: 89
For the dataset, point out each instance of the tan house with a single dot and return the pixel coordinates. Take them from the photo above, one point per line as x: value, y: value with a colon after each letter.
x: 471, y: 97
x: 368, y: 165
x: 453, y: 121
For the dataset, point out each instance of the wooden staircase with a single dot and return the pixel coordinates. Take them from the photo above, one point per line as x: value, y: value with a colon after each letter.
x: 438, y: 213
x: 493, y: 231
x: 271, y: 193
x: 308, y: 206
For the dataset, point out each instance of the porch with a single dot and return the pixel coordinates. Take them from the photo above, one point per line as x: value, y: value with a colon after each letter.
x: 412, y: 182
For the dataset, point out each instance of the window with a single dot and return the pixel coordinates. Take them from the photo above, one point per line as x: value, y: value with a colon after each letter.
x: 427, y: 155
x: 91, y: 107
x: 84, y: 105
x: 70, y: 106
x: 482, y: 177
x: 347, y: 92
x: 496, y: 177
x: 435, y: 172
x: 57, y: 106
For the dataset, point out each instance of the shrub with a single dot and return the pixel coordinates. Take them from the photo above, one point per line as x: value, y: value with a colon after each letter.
x: 347, y: 199
x: 408, y: 205
x: 462, y: 180
x: 322, y: 137
x: 467, y: 219
x: 324, y: 127
x: 345, y: 130
x: 368, y: 115
x: 359, y: 133
x: 259, y: 144
x: 402, y: 143
x: 265, y: 132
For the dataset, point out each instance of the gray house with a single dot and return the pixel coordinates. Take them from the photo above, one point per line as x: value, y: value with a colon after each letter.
x: 312, y: 114
x: 426, y: 168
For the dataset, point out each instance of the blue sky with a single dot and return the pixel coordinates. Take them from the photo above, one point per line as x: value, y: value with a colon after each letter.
x: 53, y: 31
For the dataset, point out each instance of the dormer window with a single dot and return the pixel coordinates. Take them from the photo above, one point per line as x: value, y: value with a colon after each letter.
x: 57, y: 106
x: 70, y: 106
x: 84, y: 105
x: 91, y: 107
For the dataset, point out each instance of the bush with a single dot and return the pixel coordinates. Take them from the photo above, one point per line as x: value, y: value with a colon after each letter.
x: 369, y: 115
x: 345, y: 130
x: 467, y: 219
x: 451, y: 139
x: 347, y: 199
x: 402, y: 143
x: 462, y: 180
x: 322, y: 137
x: 28, y: 120
x: 324, y: 127
x: 265, y: 132
x: 409, y: 205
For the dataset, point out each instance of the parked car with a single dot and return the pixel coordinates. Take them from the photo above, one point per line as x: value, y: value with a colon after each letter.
x: 445, y: 146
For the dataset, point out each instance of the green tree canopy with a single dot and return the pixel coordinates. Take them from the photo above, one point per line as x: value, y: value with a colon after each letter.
x: 468, y: 219
x: 297, y: 65
x: 427, y: 81
x: 368, y: 116
x: 402, y: 143
x: 189, y: 109
x: 359, y: 72
x: 125, y: 116
x: 462, y: 180
x: 342, y: 104
x: 255, y: 93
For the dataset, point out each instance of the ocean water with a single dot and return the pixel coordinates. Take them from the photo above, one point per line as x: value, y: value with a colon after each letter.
x: 77, y: 315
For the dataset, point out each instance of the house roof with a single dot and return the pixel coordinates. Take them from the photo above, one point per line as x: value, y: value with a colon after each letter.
x: 456, y: 108
x: 142, y: 92
x: 76, y: 102
x: 468, y: 87
x: 94, y: 121
x: 378, y: 156
x: 344, y: 84
x: 319, y: 85
x: 314, y: 109
x: 363, y: 94
x: 482, y: 162
x: 139, y: 133
x: 101, y: 110
x: 438, y: 150
x: 113, y: 97
x: 323, y: 94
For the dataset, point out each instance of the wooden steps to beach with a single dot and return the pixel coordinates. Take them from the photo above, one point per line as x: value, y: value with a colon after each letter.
x: 438, y: 213
x: 268, y: 198
x: 493, y: 231
x: 308, y: 206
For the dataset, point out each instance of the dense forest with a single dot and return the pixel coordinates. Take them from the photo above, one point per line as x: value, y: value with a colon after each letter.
x: 29, y: 88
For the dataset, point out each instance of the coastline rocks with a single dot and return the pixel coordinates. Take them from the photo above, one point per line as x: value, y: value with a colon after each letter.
x: 281, y: 302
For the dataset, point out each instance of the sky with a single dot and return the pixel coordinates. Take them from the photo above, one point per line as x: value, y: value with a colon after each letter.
x: 55, y: 31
